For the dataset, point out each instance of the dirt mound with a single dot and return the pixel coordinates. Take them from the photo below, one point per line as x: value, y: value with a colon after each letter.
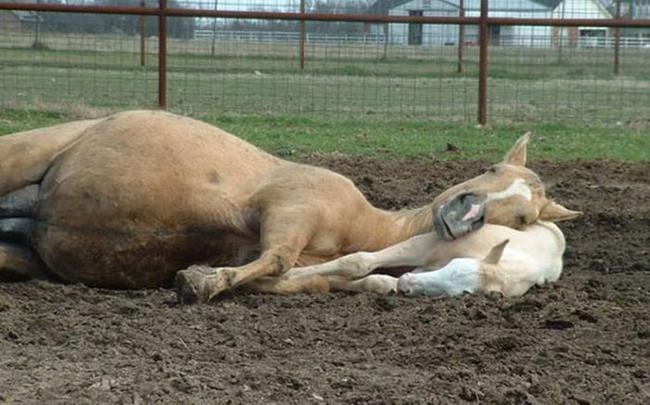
x: 583, y: 340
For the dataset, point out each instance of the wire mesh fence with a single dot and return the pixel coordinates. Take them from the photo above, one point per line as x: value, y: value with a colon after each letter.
x: 589, y: 74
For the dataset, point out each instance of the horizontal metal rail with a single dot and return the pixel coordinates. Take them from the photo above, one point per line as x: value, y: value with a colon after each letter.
x: 377, y: 19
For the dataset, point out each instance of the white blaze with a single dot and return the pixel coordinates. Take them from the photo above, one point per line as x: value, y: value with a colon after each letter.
x: 518, y: 187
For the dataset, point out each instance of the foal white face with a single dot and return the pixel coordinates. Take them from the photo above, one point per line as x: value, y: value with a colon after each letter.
x: 459, y: 276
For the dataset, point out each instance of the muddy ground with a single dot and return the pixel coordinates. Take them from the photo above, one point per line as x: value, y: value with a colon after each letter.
x: 583, y: 340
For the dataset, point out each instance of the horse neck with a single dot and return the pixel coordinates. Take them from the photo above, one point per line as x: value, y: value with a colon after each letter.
x: 380, y: 229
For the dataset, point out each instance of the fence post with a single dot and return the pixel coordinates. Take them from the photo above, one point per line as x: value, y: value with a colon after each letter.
x: 162, y: 54
x: 617, y: 39
x: 302, y: 35
x: 461, y: 36
x: 143, y: 36
x: 214, y: 29
x: 483, y: 64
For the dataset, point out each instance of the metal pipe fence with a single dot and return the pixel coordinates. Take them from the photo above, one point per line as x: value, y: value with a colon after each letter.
x: 406, y: 53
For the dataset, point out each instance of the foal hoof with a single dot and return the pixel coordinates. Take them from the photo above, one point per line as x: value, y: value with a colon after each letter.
x: 191, y: 286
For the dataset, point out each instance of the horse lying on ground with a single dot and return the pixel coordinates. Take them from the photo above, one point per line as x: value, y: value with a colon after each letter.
x: 494, y: 258
x: 129, y: 200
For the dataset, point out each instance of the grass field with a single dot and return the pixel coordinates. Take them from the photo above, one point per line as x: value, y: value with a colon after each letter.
x: 295, y: 137
x: 348, y: 99
x: 526, y: 85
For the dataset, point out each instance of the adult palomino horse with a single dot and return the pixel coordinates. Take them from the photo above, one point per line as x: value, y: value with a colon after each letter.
x: 129, y: 200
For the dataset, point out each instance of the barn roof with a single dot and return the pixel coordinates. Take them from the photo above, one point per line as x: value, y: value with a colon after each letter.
x: 607, y: 7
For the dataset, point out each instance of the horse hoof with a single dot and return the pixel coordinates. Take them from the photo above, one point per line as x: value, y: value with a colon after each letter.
x: 191, y: 286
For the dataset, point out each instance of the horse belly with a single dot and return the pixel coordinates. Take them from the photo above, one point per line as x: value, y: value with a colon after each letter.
x: 129, y: 260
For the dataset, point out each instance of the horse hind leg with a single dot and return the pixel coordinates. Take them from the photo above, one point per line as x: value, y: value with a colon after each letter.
x: 19, y: 203
x: 26, y: 156
x: 19, y: 263
x: 17, y: 230
x: 16, y: 210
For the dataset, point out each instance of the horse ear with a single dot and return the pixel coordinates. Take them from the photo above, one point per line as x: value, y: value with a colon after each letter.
x: 495, y: 254
x: 554, y: 212
x: 519, y: 152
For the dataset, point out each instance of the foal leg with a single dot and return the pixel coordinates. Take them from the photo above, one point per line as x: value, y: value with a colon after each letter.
x: 292, y: 285
x: 411, y: 252
x: 306, y: 284
x: 376, y: 283
x: 339, y: 274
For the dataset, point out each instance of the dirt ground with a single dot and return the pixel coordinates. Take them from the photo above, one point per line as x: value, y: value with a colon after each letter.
x: 584, y: 340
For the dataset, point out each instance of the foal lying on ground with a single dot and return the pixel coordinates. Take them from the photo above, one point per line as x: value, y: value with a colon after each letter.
x: 494, y: 258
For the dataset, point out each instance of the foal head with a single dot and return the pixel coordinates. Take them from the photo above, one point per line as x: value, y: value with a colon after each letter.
x: 508, y: 194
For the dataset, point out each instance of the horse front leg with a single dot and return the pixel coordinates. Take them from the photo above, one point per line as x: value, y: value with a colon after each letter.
x: 282, y: 240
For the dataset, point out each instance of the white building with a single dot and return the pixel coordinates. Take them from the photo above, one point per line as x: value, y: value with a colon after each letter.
x: 430, y: 34
x: 581, y: 36
x: 637, y: 9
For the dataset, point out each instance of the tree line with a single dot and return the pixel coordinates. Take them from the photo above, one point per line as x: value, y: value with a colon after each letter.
x: 184, y: 27
x: 112, y: 23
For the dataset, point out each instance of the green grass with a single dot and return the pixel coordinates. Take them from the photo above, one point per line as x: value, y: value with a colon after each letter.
x: 424, y: 62
x: 353, y: 101
x: 295, y: 137
x: 526, y: 85
x: 572, y: 101
x: 22, y: 120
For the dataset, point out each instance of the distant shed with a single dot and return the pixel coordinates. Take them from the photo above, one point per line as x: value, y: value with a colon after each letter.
x: 18, y: 21
x: 583, y: 36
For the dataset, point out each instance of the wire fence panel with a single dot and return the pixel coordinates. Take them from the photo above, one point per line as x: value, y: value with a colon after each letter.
x: 58, y: 63
x: 374, y: 67
x: 260, y: 72
x: 570, y: 83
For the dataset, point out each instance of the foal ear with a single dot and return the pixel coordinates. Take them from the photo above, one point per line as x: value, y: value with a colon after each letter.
x: 554, y: 212
x: 519, y: 152
x: 495, y: 254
